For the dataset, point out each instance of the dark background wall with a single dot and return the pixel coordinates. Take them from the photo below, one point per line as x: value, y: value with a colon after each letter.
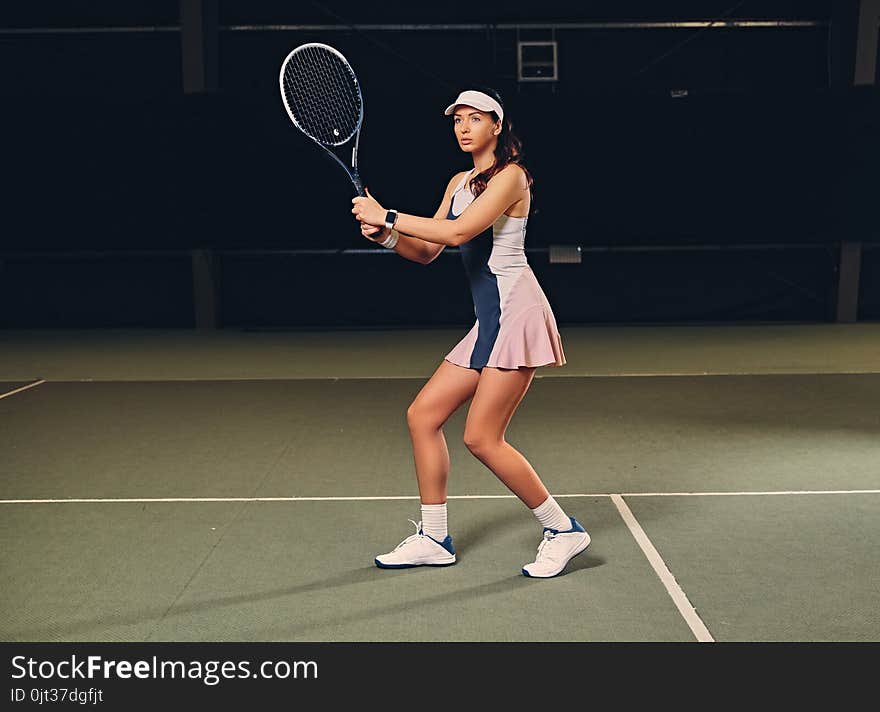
x: 724, y: 144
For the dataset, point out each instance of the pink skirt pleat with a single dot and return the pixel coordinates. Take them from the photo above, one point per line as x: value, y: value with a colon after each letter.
x: 527, y: 334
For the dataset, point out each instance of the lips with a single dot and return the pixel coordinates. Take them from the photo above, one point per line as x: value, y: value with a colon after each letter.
x: 466, y: 140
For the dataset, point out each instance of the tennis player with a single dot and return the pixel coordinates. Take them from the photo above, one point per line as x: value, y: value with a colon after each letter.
x: 484, y: 213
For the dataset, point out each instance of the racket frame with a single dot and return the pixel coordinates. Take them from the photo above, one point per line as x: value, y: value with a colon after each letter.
x: 353, y: 171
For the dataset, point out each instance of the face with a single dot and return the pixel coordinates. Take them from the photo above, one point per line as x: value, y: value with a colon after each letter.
x: 474, y: 129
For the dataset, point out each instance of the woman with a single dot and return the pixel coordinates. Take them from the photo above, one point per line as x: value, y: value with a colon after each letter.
x: 484, y: 213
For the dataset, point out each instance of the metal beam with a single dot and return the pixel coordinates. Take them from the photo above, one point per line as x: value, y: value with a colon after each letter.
x: 51, y: 254
x: 198, y: 43
x: 866, y: 42
x: 854, y: 52
x: 676, y: 24
x: 435, y: 27
x: 848, y: 281
x: 206, y: 289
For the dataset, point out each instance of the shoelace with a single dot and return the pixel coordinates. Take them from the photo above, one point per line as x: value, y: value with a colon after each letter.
x: 411, y: 537
x: 546, y: 546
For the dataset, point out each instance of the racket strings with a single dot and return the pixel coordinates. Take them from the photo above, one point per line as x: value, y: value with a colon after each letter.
x: 322, y: 94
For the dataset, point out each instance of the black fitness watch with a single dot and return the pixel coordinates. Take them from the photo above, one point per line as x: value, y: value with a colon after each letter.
x: 390, y: 219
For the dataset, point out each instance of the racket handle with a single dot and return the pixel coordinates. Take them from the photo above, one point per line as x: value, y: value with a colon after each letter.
x: 356, y: 179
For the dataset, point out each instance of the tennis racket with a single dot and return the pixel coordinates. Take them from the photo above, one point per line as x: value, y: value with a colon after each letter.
x: 323, y: 99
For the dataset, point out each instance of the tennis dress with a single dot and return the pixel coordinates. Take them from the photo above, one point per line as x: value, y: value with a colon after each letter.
x: 515, y: 325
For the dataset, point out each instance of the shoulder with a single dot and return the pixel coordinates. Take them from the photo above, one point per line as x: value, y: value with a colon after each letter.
x: 511, y: 176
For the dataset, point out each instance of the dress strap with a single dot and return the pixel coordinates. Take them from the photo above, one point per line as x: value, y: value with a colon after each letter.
x: 463, y: 181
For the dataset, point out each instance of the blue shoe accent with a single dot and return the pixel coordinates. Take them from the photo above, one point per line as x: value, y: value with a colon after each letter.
x: 408, y: 566
x: 575, y: 527
x: 394, y: 566
x: 446, y: 543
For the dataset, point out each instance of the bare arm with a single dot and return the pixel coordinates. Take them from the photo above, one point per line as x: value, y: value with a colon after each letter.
x: 431, y: 250
x: 412, y: 247
x: 504, y: 189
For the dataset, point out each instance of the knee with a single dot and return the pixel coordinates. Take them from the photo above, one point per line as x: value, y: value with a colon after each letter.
x: 479, y: 443
x: 418, y: 418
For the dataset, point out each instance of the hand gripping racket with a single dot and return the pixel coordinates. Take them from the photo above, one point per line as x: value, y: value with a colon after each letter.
x: 323, y: 99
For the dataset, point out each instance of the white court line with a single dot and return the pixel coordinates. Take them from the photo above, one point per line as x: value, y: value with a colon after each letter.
x: 23, y: 388
x: 737, y: 494
x: 252, y: 499
x: 392, y: 377
x: 389, y: 498
x: 678, y: 596
x: 788, y: 372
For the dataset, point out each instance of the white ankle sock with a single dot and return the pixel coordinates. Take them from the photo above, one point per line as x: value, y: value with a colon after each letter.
x: 434, y: 521
x: 552, y: 516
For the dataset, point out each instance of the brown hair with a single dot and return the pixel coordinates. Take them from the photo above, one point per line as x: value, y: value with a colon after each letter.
x: 508, y: 150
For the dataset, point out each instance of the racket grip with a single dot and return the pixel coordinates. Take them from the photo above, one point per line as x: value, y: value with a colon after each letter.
x: 359, y: 187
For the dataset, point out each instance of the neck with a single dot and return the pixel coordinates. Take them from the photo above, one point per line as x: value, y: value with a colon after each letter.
x: 484, y: 160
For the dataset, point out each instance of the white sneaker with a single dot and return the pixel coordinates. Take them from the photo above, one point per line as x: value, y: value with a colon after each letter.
x: 556, y: 550
x: 418, y: 550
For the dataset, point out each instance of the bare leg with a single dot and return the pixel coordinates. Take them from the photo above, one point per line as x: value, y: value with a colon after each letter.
x: 498, y: 394
x: 440, y: 397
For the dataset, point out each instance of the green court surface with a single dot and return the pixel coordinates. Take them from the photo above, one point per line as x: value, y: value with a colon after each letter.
x: 158, y: 486
x: 304, y: 571
x: 768, y: 568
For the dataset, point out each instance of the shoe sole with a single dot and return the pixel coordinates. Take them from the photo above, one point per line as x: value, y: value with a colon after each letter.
x: 408, y: 566
x: 577, y: 553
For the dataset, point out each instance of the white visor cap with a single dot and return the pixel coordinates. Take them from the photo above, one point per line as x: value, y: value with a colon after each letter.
x: 478, y: 100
